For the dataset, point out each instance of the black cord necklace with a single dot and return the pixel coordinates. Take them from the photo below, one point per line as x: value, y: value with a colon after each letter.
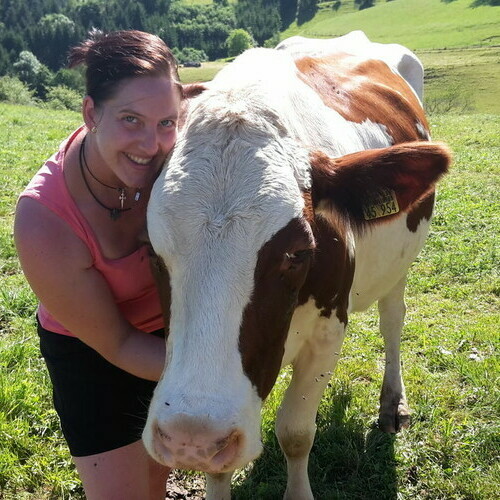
x: 123, y: 193
x: 115, y: 213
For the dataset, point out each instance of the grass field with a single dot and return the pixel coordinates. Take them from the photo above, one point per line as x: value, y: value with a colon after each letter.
x: 204, y: 73
x: 451, y: 343
x: 458, y: 44
x: 418, y: 24
x: 467, y: 78
x: 450, y: 350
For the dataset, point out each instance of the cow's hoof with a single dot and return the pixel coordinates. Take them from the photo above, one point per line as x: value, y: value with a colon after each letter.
x: 394, y: 419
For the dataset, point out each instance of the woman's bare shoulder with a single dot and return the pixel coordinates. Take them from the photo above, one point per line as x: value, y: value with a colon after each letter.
x: 39, y: 233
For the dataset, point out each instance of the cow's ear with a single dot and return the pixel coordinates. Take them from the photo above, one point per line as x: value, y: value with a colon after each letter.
x: 377, y: 182
x: 191, y: 90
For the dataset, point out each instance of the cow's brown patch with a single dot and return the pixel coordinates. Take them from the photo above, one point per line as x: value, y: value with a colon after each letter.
x: 422, y: 210
x: 366, y: 90
x: 282, y: 266
x: 330, y: 277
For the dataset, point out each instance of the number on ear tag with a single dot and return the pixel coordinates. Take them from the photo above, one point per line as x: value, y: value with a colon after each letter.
x: 381, y: 204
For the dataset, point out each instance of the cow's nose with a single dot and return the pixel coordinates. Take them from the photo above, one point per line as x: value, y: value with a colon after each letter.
x: 197, y: 448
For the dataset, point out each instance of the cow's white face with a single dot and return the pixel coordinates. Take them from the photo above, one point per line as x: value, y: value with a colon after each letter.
x: 210, y: 214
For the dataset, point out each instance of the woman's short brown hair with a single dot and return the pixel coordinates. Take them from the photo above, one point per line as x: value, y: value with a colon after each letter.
x: 115, y: 56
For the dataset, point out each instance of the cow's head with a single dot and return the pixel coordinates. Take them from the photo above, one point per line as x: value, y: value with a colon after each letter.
x: 232, y: 219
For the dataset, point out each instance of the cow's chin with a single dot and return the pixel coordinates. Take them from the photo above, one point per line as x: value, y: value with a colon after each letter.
x: 222, y: 438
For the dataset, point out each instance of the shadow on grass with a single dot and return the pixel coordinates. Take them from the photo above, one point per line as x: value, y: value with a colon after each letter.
x: 346, y: 462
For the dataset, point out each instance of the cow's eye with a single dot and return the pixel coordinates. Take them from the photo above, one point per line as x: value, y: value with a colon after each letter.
x: 293, y: 269
x: 299, y: 256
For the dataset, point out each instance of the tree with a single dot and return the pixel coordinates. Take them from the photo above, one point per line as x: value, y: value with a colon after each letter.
x: 15, y: 91
x: 27, y: 67
x: 32, y: 72
x: 89, y: 14
x: 364, y: 4
x: 270, y: 43
x: 189, y: 54
x: 261, y: 18
x: 238, y: 41
x: 51, y: 39
x: 12, y: 43
x: 71, y: 78
x: 4, y: 61
x: 288, y: 12
x: 155, y: 7
x: 203, y: 27
x: 306, y: 10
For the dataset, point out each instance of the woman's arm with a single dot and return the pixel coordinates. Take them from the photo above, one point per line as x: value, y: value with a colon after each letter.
x: 58, y: 266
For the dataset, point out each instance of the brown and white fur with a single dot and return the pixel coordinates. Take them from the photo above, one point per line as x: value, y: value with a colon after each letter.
x: 264, y: 251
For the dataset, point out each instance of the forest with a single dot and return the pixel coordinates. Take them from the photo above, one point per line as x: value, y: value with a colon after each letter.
x: 47, y: 28
x: 35, y: 35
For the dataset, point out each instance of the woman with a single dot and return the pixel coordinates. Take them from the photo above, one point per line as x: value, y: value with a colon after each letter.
x: 78, y: 233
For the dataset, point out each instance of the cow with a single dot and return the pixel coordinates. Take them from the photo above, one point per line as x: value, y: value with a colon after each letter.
x: 300, y: 191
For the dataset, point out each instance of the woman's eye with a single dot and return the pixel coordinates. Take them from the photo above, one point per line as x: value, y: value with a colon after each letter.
x: 167, y: 123
x: 130, y: 119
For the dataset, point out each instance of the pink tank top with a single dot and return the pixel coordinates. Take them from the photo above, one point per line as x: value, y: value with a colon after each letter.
x: 129, y: 278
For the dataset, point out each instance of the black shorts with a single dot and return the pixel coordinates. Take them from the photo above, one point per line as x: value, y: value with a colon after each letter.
x: 101, y: 407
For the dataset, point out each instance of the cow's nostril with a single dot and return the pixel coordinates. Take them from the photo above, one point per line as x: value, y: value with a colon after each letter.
x: 162, y: 447
x: 227, y: 449
x: 163, y: 435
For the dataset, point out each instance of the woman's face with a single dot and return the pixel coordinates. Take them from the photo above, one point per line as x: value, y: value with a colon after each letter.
x: 136, y: 129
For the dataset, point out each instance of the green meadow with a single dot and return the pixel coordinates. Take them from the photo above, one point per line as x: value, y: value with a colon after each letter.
x: 459, y: 44
x: 450, y: 342
x: 450, y: 350
x: 204, y: 73
x: 418, y: 24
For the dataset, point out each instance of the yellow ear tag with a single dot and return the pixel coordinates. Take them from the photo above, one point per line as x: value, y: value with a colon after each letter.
x: 380, y: 204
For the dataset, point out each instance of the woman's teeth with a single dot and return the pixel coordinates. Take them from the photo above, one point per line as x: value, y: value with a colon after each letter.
x: 138, y: 159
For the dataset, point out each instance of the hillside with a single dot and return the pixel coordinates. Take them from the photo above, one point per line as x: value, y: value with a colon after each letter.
x: 418, y: 24
x: 459, y: 46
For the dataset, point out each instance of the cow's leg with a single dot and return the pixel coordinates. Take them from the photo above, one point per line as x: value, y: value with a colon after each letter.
x: 218, y: 486
x: 394, y: 413
x: 295, y: 423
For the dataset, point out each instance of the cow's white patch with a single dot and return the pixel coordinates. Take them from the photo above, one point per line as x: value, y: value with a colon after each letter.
x: 313, y: 364
x: 252, y: 87
x: 424, y: 133
x: 383, y: 255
